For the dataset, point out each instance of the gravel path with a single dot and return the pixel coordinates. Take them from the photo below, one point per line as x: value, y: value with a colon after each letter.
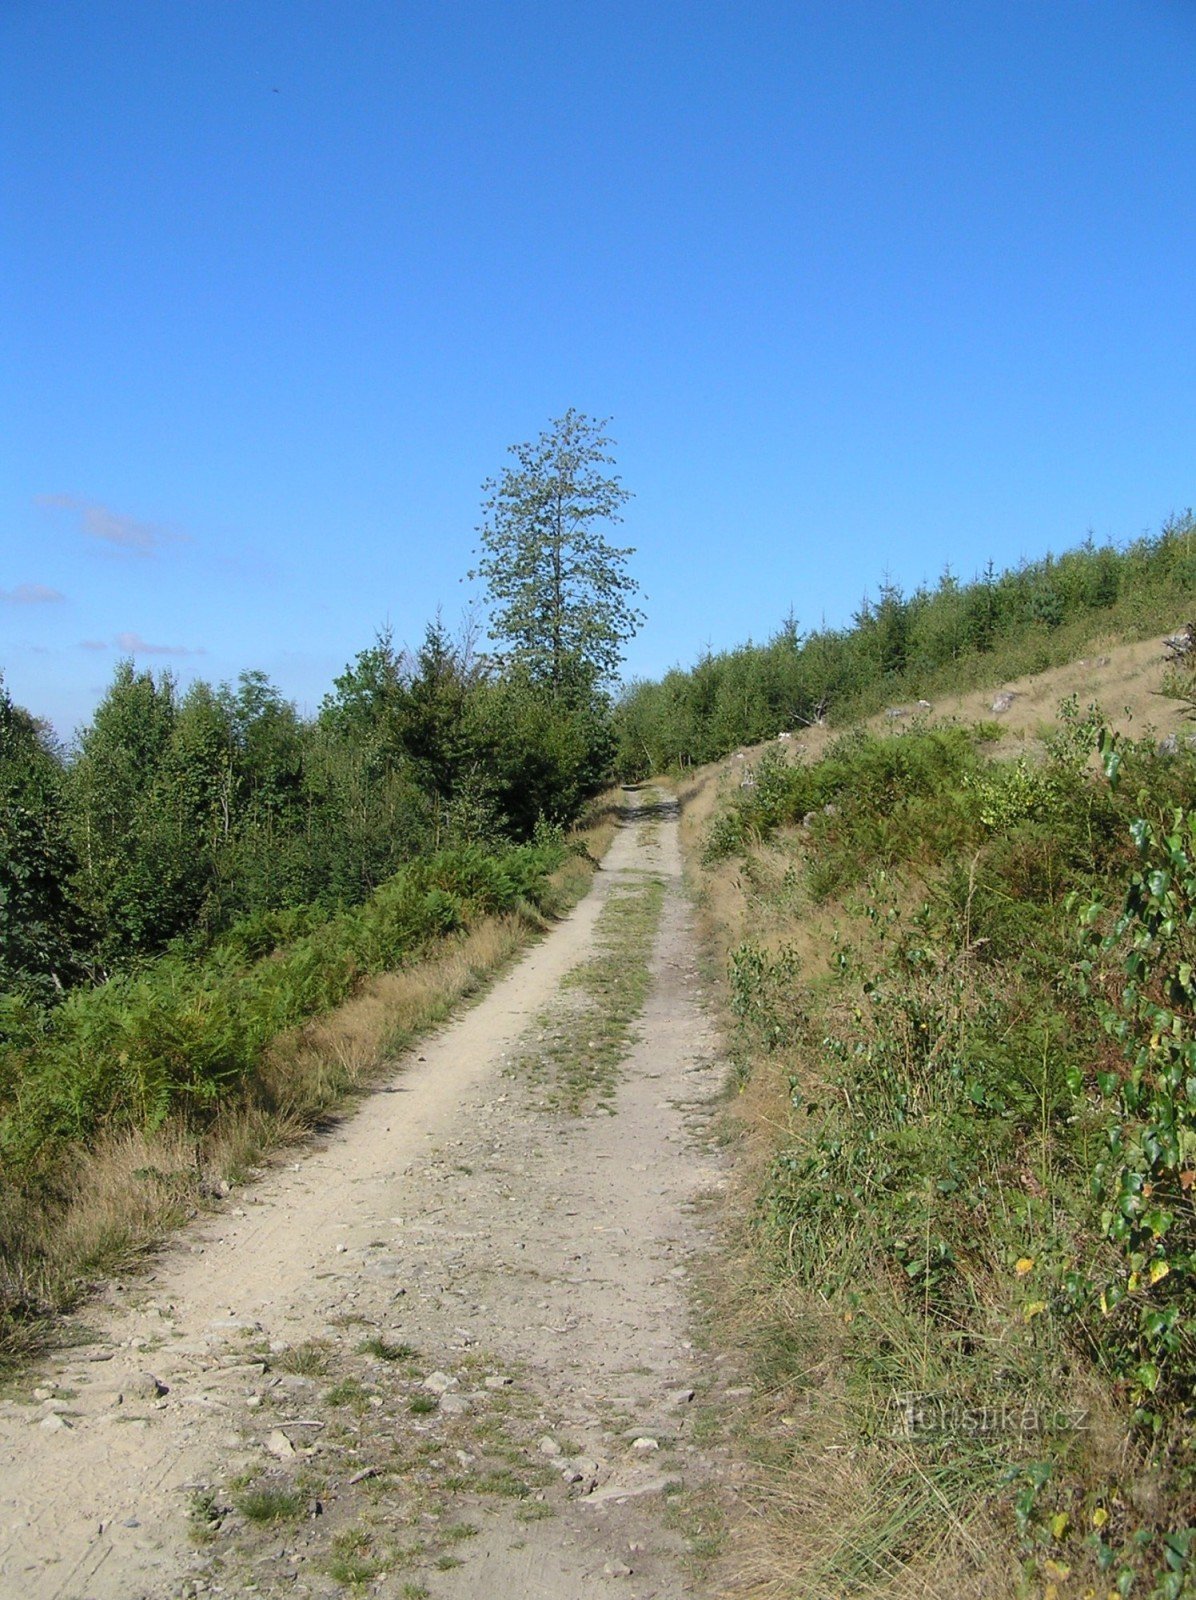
x: 444, y: 1353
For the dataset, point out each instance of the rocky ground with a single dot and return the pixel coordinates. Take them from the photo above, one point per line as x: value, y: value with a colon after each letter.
x: 445, y: 1352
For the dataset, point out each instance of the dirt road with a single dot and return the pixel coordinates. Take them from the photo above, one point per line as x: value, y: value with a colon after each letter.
x: 443, y: 1353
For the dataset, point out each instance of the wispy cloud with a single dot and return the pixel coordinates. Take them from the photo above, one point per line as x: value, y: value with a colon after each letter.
x: 93, y: 644
x: 30, y: 594
x: 134, y: 645
x: 112, y: 527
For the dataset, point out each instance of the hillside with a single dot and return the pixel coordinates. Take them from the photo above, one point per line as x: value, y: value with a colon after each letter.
x: 963, y: 1223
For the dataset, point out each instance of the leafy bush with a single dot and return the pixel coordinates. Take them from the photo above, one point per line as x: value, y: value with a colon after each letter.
x: 869, y: 800
x: 1146, y: 1176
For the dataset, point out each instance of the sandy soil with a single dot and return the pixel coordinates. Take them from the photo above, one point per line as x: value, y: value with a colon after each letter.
x: 528, y: 1426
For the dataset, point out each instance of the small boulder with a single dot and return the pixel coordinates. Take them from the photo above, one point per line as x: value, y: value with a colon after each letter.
x: 440, y: 1383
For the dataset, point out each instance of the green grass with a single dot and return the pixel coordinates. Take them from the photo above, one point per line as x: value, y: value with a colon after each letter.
x: 455, y: 1532
x: 942, y: 1077
x: 308, y: 1360
x: 266, y: 1505
x: 353, y: 1570
x: 503, y: 1482
x: 535, y: 1511
x: 385, y: 1350
x: 348, y: 1392
x: 580, y: 1044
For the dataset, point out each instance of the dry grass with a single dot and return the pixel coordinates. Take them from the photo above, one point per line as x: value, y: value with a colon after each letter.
x: 823, y: 1515
x: 122, y: 1196
x: 827, y: 1511
x: 597, y: 827
x: 1125, y: 679
x: 314, y: 1067
x: 827, y: 1515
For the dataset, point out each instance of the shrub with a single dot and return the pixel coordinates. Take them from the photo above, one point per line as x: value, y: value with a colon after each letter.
x: 178, y: 1035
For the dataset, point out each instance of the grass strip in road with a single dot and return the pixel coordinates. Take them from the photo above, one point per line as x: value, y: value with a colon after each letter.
x: 575, y: 1049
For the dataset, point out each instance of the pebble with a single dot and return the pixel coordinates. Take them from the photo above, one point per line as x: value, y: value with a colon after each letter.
x: 616, y: 1569
x: 53, y: 1423
x: 549, y: 1447
x: 498, y: 1380
x: 643, y: 1444
x: 440, y: 1382
x: 279, y: 1445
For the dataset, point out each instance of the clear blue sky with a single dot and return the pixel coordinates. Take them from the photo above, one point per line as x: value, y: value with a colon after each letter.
x: 865, y: 285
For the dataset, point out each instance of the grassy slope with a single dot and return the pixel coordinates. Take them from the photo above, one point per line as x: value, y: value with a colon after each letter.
x: 114, y: 1199
x: 851, y: 1505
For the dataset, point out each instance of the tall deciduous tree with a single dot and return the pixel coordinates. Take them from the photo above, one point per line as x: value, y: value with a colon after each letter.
x: 41, y: 936
x: 562, y: 601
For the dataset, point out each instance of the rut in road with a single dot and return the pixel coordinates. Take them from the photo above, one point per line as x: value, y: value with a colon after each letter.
x: 446, y: 1353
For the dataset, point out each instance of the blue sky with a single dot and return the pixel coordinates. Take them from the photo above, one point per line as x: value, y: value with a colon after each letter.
x: 866, y: 286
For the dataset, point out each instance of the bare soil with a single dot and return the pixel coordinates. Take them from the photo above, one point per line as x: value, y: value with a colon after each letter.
x: 447, y: 1351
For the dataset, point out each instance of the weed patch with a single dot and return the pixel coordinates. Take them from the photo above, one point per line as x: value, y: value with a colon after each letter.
x: 270, y: 1505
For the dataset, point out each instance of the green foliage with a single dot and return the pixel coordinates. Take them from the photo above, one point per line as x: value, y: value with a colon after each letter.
x: 902, y: 647
x: 180, y: 1034
x: 537, y: 758
x: 991, y: 1157
x: 1146, y: 1176
x: 562, y: 600
x: 869, y: 799
x: 180, y: 817
x: 132, y: 809
x: 42, y: 934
